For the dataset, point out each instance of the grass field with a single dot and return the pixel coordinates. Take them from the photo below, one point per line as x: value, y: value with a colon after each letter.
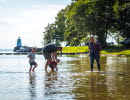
x: 75, y: 49
x: 115, y: 50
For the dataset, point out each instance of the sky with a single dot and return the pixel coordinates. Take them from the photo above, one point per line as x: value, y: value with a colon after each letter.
x: 26, y: 19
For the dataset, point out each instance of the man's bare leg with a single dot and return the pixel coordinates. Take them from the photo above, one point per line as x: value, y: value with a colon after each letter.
x: 47, y: 63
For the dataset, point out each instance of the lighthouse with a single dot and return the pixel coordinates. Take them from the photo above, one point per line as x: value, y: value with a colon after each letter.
x: 19, y: 44
x: 20, y: 48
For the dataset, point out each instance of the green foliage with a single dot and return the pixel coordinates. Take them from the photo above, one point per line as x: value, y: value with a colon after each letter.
x: 122, y: 13
x: 97, y: 17
x: 54, y: 33
x: 60, y: 25
x: 48, y: 34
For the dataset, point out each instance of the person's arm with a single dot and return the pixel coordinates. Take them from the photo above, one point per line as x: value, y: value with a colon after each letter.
x: 54, y: 56
x: 99, y: 46
x: 29, y: 56
x: 56, y: 68
x: 89, y: 49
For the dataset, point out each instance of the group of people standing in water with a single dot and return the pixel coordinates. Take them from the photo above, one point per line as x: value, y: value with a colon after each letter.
x: 50, y: 55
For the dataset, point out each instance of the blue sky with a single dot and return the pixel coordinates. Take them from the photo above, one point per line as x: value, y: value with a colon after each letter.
x: 27, y: 19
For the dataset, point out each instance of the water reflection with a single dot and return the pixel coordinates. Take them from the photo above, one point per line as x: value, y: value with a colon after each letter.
x: 73, y: 81
x: 108, y: 85
x: 50, y: 87
x: 117, y: 82
x: 98, y: 88
x: 32, y: 85
x: 50, y: 78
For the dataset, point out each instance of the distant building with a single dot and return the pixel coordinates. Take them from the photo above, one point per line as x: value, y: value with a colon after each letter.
x: 19, y: 44
x: 20, y: 48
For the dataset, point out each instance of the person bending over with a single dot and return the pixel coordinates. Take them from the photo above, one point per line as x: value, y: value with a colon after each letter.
x: 50, y: 53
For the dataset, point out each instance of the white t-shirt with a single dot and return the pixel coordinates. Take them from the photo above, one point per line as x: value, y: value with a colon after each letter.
x: 31, y: 57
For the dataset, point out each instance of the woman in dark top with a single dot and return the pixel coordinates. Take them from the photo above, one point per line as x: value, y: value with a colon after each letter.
x: 50, y: 53
x: 94, y: 52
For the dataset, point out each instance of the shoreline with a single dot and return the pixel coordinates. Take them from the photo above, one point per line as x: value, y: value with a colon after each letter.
x: 102, y: 54
x: 114, y: 55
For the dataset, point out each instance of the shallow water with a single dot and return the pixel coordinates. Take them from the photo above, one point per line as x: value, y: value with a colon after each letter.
x: 73, y: 81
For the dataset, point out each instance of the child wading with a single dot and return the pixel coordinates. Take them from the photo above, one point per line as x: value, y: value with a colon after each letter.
x: 53, y: 64
x: 32, y: 62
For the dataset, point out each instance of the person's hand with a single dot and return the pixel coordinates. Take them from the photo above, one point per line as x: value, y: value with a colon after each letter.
x: 99, y: 54
x: 88, y: 54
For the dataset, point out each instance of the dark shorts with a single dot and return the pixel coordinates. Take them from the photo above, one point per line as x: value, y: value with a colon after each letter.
x: 32, y: 63
x: 47, y: 55
x: 51, y: 66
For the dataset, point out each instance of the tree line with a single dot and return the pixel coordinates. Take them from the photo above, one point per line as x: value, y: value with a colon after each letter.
x: 82, y: 18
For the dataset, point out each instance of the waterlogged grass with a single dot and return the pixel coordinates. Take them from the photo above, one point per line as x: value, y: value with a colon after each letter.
x: 125, y: 52
x: 116, y: 50
x: 113, y: 50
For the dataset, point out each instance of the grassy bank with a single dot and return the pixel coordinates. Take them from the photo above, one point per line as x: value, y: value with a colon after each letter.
x: 75, y: 49
x: 116, y: 50
x: 110, y: 50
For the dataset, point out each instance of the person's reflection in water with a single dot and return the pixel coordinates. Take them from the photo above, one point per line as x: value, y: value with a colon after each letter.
x: 50, y: 77
x: 32, y: 85
x: 94, y: 86
x: 50, y: 83
x: 98, y: 88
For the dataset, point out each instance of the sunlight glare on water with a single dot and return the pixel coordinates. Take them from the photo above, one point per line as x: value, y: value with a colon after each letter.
x: 73, y: 81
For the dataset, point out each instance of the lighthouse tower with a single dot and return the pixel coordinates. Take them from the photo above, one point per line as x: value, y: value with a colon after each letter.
x: 19, y: 44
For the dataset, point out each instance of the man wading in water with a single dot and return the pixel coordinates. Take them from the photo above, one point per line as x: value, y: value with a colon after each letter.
x: 50, y: 53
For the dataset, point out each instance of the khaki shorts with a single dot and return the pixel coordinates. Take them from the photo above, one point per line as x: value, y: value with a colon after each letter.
x: 47, y: 55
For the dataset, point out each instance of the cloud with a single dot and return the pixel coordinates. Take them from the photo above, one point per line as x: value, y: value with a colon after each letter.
x: 37, y: 15
x: 28, y: 23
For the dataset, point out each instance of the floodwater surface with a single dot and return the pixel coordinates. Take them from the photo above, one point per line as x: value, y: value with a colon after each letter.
x: 72, y: 81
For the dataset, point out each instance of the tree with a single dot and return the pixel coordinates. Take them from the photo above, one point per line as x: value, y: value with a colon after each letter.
x: 98, y: 17
x: 122, y: 13
x: 60, y: 25
x: 54, y: 33
x: 48, y: 34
